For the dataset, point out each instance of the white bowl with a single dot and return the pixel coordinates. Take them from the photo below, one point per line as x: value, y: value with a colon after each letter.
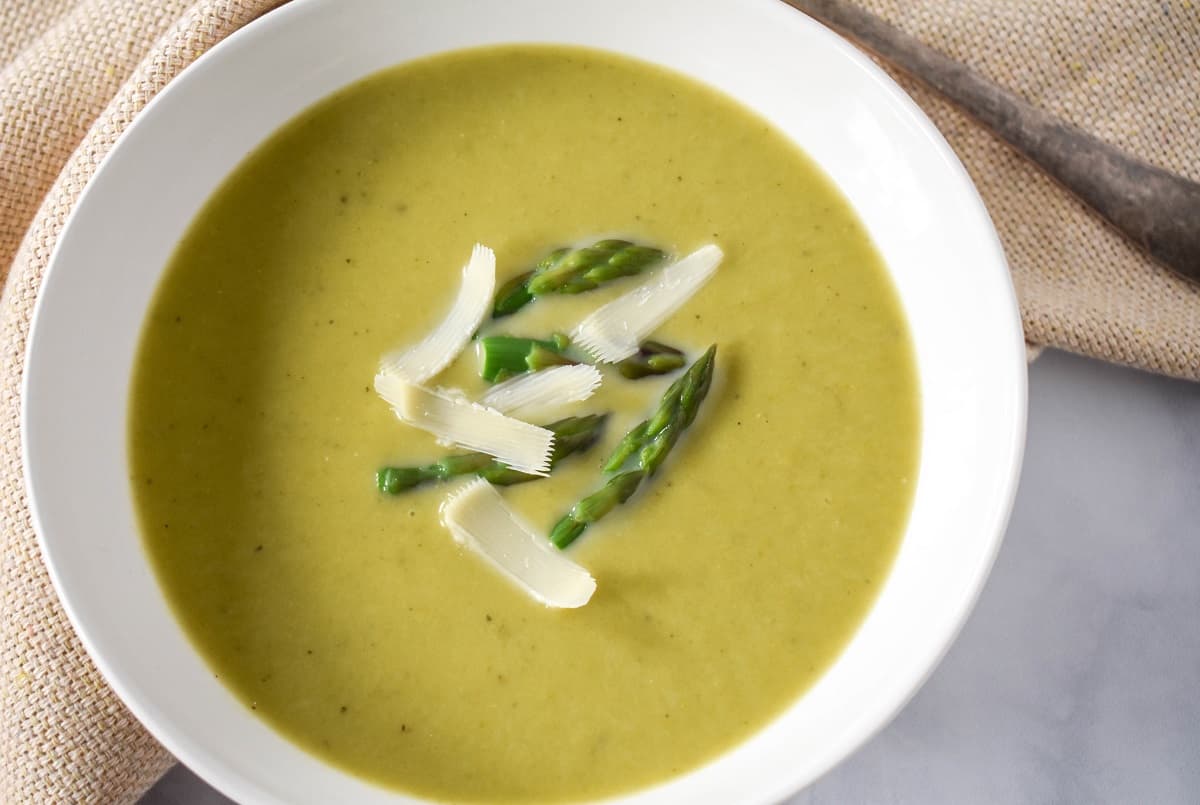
x: 901, y: 177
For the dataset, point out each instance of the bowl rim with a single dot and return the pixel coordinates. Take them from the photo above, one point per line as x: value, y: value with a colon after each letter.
x: 210, y: 767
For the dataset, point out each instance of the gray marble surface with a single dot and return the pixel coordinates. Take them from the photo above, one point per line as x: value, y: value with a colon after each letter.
x: 1077, y: 678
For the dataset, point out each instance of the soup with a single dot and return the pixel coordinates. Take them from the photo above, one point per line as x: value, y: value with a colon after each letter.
x: 350, y: 620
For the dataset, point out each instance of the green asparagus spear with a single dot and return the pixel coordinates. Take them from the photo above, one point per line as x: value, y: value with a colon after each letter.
x: 571, y: 435
x: 652, y: 358
x: 630, y: 444
x: 587, y: 511
x: 506, y: 355
x: 575, y: 271
x: 515, y: 294
x: 652, y: 440
x: 678, y: 405
x: 512, y: 296
x: 584, y: 269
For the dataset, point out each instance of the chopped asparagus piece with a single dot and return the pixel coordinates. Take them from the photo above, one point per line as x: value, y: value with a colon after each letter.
x: 587, y: 511
x: 630, y: 444
x: 652, y: 358
x: 575, y: 271
x: 512, y: 296
x: 679, y: 404
x: 583, y: 269
x: 505, y: 356
x: 515, y: 294
x: 571, y: 435
x: 652, y: 440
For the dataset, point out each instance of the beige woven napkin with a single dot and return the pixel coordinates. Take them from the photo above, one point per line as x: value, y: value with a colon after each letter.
x: 73, y: 73
x: 1128, y: 71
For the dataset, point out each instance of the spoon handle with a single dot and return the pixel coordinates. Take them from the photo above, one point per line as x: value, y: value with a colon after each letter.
x: 1156, y: 209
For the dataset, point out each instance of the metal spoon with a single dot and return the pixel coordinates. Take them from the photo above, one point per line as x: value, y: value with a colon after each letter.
x: 1156, y: 209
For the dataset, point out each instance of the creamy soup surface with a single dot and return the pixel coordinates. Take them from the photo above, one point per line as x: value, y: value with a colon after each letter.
x: 351, y: 621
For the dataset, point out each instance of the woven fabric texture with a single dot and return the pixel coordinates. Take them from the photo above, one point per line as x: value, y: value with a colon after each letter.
x: 1129, y: 73
x: 74, y: 73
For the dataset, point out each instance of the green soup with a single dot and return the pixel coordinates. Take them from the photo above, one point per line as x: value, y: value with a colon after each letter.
x: 352, y: 622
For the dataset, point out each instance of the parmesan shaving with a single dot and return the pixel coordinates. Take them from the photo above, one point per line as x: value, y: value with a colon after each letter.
x: 531, y: 396
x: 454, y: 419
x: 421, y: 362
x: 479, y: 518
x: 614, y: 331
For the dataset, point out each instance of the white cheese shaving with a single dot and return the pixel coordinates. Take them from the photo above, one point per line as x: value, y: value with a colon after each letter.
x: 480, y: 519
x: 614, y: 331
x: 453, y: 418
x: 421, y: 362
x: 531, y: 396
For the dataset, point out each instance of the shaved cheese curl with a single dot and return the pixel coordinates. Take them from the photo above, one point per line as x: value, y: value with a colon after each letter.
x: 614, y: 331
x: 532, y: 395
x: 451, y: 417
x: 479, y: 519
x: 434, y: 353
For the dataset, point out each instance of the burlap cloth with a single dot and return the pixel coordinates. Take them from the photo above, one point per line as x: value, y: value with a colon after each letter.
x: 74, y: 73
